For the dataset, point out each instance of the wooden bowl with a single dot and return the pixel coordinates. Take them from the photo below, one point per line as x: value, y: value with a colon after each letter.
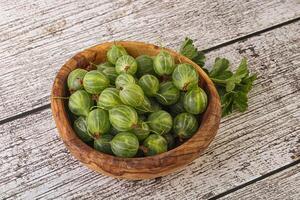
x: 133, y: 168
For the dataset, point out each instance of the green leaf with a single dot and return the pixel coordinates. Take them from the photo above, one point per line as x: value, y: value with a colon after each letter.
x: 220, y: 66
x: 247, y: 83
x: 227, y: 103
x: 233, y: 88
x: 189, y: 50
x: 230, y: 85
x: 242, y: 71
x: 200, y: 59
x: 240, y: 101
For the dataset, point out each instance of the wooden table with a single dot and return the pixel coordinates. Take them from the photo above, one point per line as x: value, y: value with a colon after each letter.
x: 256, y: 154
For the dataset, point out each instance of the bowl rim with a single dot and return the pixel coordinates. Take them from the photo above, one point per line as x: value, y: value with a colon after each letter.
x: 211, y: 116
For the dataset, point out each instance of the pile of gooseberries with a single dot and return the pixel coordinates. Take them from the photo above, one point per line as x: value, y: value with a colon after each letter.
x: 135, y: 107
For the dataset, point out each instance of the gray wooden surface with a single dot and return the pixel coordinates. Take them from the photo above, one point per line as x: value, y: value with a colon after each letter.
x: 255, y: 155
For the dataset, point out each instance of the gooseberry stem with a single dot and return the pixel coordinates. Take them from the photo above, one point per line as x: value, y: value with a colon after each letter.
x: 97, y: 136
x: 185, y: 87
x: 96, y: 107
x: 161, y: 96
x: 144, y: 110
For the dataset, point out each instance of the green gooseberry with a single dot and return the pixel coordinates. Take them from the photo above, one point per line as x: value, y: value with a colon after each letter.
x: 160, y: 122
x: 142, y: 130
x: 163, y: 63
x: 155, y: 144
x: 95, y: 81
x: 123, y: 118
x: 170, y: 140
x: 110, y: 73
x: 115, y: 52
x: 80, y: 103
x: 125, y: 145
x: 109, y: 98
x: 124, y: 79
x: 75, y: 79
x: 98, y: 122
x: 144, y: 107
x: 80, y: 129
x: 126, y: 64
x: 104, y: 65
x: 185, y: 76
x: 144, y: 65
x: 177, y: 108
x: 195, y: 101
x: 167, y: 94
x: 185, y: 125
x: 102, y: 144
x: 132, y: 95
x: 150, y: 85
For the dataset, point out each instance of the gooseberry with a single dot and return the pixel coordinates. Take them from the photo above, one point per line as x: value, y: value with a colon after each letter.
x: 75, y: 79
x: 164, y: 63
x: 195, y: 101
x: 95, y: 81
x: 125, y: 144
x: 160, y: 122
x: 80, y: 103
x: 155, y: 144
x: 102, y: 144
x: 109, y: 98
x: 124, y: 79
x: 115, y: 52
x: 185, y: 125
x: 149, y: 84
x: 185, y: 76
x: 126, y: 64
x: 132, y: 95
x: 123, y: 118
x: 167, y: 94
x: 80, y: 128
x: 98, y: 122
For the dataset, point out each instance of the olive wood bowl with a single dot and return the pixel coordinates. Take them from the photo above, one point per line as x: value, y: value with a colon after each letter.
x: 133, y: 168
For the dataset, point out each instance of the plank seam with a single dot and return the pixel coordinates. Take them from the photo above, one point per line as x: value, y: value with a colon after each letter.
x: 256, y: 33
x: 285, y: 167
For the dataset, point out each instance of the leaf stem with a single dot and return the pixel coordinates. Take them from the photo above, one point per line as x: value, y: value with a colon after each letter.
x: 218, y: 81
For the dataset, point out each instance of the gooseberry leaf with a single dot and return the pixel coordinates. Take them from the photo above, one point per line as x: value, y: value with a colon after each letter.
x: 247, y: 83
x: 240, y: 101
x: 189, y: 50
x: 220, y: 68
x: 200, y: 60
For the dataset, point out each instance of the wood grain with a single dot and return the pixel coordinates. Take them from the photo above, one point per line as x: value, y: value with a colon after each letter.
x: 284, y: 185
x: 133, y: 168
x: 35, y: 163
x: 37, y: 37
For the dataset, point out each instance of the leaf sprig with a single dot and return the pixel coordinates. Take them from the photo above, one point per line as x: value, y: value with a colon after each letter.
x: 233, y: 87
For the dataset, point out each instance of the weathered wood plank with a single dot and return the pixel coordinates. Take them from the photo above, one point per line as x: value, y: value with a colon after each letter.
x: 35, y: 163
x: 36, y: 38
x: 284, y: 185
